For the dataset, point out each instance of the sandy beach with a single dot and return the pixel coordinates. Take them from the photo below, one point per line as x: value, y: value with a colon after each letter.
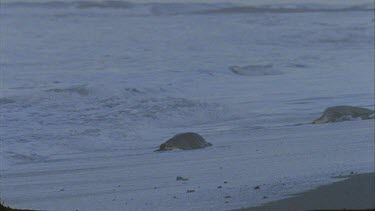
x: 354, y: 193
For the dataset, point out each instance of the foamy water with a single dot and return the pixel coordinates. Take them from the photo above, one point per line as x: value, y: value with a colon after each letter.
x: 118, y: 78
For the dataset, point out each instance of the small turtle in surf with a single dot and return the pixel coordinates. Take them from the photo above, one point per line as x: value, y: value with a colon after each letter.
x: 255, y: 70
x: 344, y: 113
x: 184, y: 141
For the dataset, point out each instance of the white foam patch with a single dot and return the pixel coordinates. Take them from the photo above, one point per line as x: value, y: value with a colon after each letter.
x: 347, y: 118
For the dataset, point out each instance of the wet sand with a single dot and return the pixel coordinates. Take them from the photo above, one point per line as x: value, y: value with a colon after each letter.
x: 354, y: 193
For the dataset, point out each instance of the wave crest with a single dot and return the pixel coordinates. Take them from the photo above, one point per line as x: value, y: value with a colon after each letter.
x: 6, y: 100
x: 255, y: 70
x: 192, y: 8
x: 104, y: 4
x: 80, y: 90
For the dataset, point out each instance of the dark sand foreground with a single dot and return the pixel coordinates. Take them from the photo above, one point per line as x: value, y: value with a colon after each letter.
x: 6, y: 208
x: 355, y: 193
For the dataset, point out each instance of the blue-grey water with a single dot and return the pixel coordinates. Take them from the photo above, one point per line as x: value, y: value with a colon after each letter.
x: 112, y: 70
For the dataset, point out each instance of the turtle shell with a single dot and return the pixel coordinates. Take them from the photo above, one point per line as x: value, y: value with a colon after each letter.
x: 185, y: 141
x: 342, y: 113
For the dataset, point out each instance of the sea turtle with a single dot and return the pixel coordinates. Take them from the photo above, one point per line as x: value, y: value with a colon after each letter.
x: 184, y: 141
x: 344, y: 113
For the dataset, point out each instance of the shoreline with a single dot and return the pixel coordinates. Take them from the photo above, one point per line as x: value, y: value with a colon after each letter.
x: 354, y: 193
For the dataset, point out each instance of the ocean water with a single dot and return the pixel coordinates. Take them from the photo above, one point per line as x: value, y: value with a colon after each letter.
x: 81, y: 77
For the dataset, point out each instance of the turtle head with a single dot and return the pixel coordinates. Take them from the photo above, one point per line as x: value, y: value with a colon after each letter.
x: 321, y: 120
x: 163, y: 147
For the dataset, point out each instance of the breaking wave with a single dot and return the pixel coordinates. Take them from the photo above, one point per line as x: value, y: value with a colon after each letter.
x: 104, y: 4
x: 80, y: 90
x: 128, y: 106
x: 190, y: 8
x: 289, y: 9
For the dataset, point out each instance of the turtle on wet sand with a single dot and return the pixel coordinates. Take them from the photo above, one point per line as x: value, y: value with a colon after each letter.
x: 184, y: 141
x: 344, y: 113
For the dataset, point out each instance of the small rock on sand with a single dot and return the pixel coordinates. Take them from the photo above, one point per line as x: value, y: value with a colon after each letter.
x: 179, y: 178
